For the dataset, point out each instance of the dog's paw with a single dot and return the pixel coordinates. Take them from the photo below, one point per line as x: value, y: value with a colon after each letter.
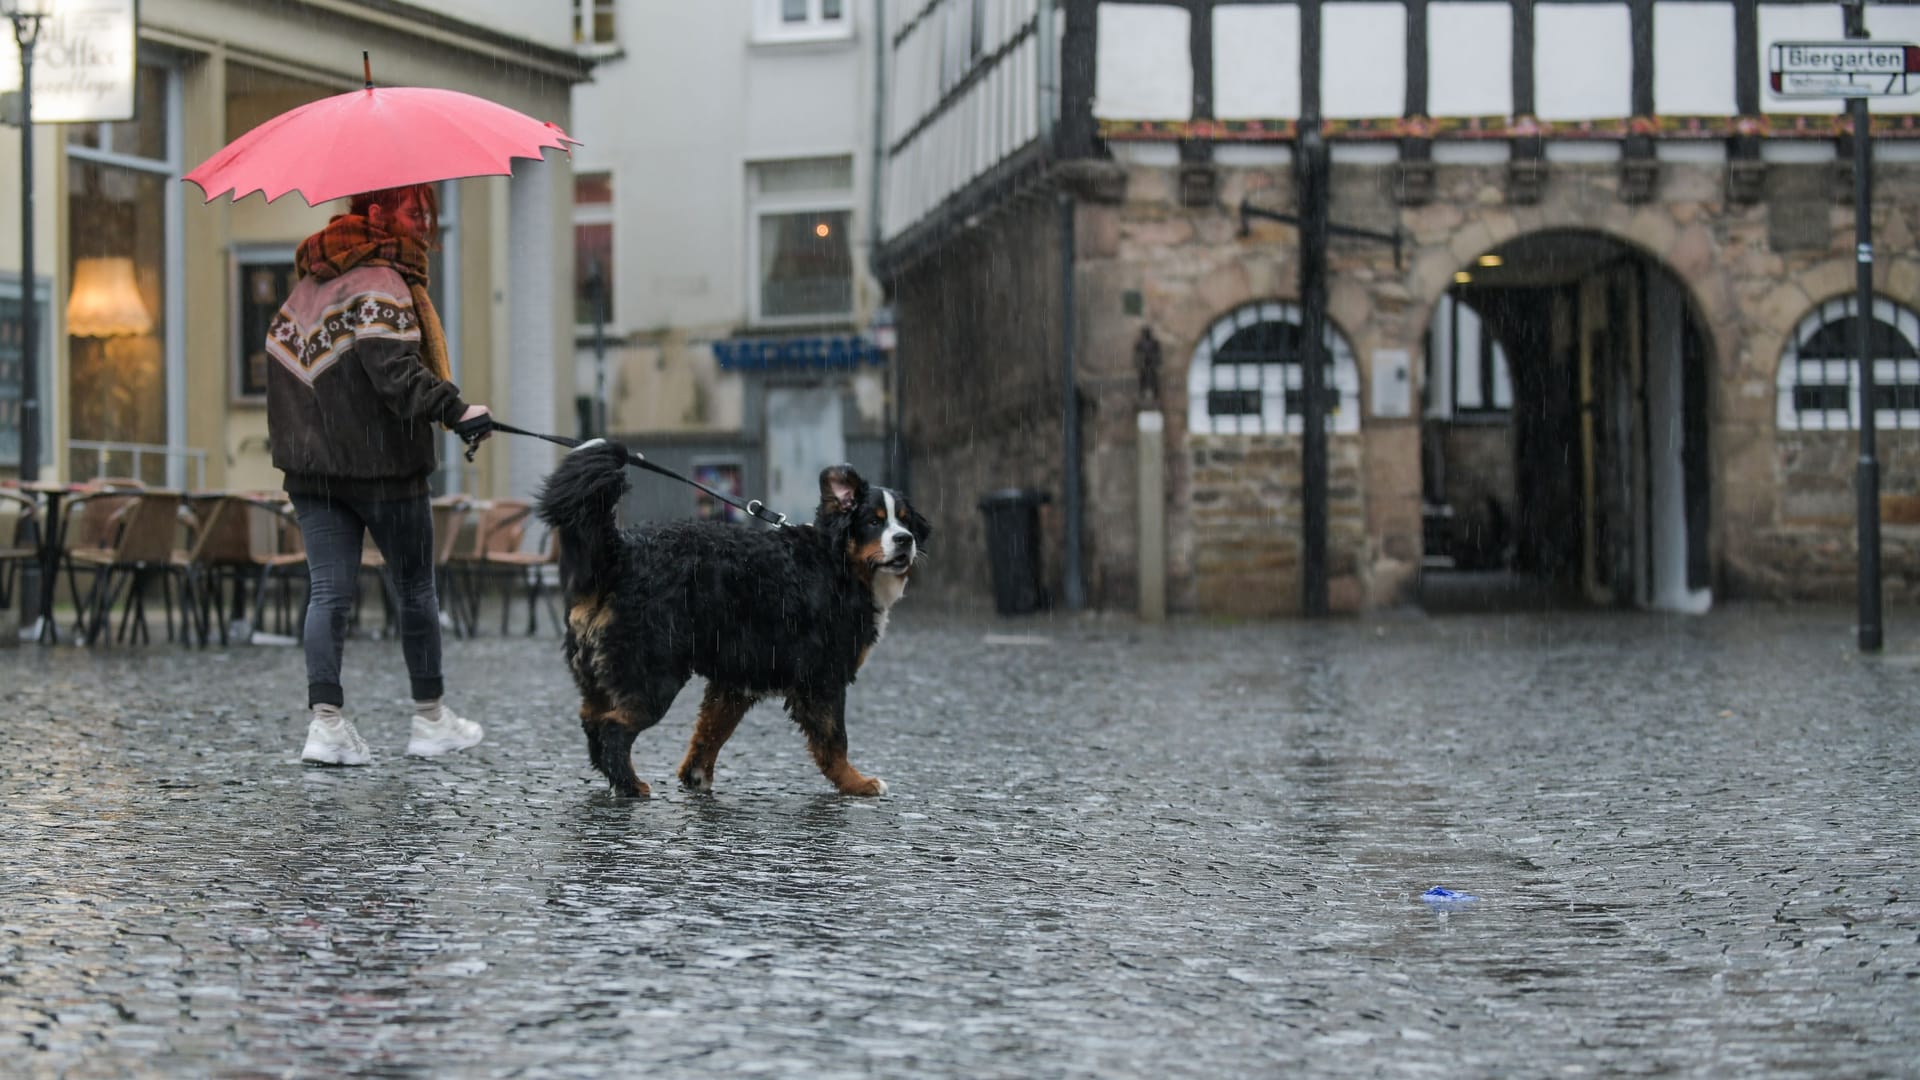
x: 867, y: 786
x: 694, y: 778
x: 639, y: 790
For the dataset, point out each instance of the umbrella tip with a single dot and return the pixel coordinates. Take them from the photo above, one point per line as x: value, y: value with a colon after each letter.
x: 366, y: 65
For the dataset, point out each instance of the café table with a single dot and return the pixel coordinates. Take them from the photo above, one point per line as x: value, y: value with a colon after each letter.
x: 47, y: 632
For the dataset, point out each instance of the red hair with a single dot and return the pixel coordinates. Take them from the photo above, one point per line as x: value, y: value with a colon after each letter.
x: 391, y: 198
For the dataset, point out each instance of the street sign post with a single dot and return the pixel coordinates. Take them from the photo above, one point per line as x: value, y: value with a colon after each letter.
x: 1856, y: 69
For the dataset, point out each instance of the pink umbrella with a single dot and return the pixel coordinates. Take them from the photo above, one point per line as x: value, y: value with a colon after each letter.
x: 367, y: 140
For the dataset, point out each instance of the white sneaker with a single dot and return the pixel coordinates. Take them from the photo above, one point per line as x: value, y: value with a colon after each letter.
x: 332, y: 740
x: 445, y: 733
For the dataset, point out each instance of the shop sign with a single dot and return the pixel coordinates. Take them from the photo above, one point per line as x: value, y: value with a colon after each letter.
x: 83, y: 65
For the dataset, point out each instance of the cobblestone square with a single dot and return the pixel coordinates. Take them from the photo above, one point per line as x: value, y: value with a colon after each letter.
x: 1110, y: 850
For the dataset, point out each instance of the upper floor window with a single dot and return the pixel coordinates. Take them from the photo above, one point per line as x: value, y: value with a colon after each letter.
x: 802, y: 20
x: 1819, y: 382
x: 593, y: 22
x: 1247, y: 377
x: 592, y: 247
x: 800, y: 240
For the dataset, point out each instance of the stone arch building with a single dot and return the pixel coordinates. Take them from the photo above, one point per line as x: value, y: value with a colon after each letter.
x: 1642, y: 253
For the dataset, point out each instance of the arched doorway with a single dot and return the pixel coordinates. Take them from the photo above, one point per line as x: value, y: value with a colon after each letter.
x: 1564, y: 457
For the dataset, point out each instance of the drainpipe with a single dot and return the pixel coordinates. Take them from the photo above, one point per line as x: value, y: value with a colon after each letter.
x: 1048, y: 73
x: 1073, y: 139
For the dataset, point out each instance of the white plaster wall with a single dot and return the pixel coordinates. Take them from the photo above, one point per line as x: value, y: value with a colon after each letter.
x: 1582, y: 61
x: 1363, y: 66
x: 1144, y: 68
x: 1252, y: 77
x: 548, y: 22
x: 1693, y: 60
x: 1469, y: 59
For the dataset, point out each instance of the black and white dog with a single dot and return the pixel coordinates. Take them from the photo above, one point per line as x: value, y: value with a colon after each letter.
x: 758, y: 612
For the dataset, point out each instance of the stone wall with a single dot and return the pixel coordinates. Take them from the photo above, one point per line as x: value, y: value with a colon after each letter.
x: 1245, y: 541
x: 979, y: 391
x: 1812, y: 551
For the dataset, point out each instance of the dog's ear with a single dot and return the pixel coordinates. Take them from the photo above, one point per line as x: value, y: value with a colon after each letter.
x: 919, y: 526
x: 840, y: 488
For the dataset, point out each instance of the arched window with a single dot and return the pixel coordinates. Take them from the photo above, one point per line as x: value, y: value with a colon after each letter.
x: 1819, y: 385
x: 1245, y: 378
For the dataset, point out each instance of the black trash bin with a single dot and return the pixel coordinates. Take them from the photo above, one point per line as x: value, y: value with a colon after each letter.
x: 1013, y: 549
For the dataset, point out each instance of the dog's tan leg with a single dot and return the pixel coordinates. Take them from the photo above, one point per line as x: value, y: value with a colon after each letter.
x: 720, y: 713
x: 827, y: 740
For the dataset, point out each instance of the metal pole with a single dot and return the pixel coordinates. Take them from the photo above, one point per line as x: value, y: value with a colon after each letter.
x: 1867, y: 476
x: 26, y: 31
x: 1072, y: 584
x: 1313, y: 332
x: 1867, y: 482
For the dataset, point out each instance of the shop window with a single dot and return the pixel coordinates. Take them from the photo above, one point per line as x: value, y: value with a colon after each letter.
x: 1247, y: 377
x: 1819, y: 380
x: 800, y: 238
x: 592, y: 248
x: 119, y: 197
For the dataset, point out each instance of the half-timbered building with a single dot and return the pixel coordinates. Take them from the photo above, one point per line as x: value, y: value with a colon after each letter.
x: 1588, y: 298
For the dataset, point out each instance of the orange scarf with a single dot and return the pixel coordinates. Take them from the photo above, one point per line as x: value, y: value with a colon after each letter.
x: 350, y: 240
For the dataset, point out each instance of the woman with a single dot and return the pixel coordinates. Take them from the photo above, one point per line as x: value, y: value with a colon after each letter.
x: 358, y: 383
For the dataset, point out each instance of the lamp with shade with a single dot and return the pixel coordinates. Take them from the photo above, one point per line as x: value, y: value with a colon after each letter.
x: 105, y: 301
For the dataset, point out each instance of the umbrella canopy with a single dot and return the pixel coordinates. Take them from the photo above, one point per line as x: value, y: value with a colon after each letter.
x: 379, y: 137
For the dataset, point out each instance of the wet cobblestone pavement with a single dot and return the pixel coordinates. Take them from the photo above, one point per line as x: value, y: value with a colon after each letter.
x: 1109, y: 850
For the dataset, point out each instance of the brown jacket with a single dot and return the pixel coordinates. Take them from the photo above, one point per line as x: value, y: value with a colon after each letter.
x: 351, y: 408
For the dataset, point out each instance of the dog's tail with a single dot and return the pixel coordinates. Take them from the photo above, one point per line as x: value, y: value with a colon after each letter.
x: 578, y: 502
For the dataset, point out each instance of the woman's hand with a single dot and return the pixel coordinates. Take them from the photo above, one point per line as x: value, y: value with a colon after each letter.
x: 475, y: 424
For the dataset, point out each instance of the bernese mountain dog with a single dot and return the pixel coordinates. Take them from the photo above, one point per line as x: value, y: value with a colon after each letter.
x: 758, y: 612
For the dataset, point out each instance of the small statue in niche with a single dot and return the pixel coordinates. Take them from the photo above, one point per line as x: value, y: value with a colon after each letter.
x: 1146, y: 361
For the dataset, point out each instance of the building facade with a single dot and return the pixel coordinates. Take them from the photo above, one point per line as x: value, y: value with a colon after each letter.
x: 154, y: 302
x: 1588, y: 298
x: 737, y: 341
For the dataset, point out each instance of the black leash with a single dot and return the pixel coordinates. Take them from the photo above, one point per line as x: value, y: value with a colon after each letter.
x: 753, y: 507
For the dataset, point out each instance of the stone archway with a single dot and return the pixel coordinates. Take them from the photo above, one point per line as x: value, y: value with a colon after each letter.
x: 1564, y: 435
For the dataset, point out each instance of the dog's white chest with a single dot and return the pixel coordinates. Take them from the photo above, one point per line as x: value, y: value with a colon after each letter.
x: 887, y: 590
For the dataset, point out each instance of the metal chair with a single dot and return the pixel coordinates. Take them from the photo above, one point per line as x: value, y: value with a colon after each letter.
x: 19, y: 539
x: 143, y: 545
x: 245, y: 539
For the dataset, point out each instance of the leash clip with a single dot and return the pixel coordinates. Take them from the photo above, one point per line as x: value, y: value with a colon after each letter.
x: 759, y: 509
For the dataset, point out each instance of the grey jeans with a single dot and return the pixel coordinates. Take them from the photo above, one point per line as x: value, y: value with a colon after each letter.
x: 334, y: 530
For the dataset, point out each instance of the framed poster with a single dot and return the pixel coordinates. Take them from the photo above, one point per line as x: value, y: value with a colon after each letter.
x: 13, y: 367
x: 726, y: 475
x: 262, y: 278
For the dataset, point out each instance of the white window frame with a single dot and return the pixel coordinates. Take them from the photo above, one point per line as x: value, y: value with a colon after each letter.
x: 1887, y: 371
x: 824, y: 201
x: 770, y: 29
x: 1271, y: 380
x: 599, y: 214
x: 585, y: 19
x: 175, y: 270
x: 1453, y: 383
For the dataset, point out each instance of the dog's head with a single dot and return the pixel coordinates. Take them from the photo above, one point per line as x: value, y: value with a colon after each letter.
x: 883, y: 533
